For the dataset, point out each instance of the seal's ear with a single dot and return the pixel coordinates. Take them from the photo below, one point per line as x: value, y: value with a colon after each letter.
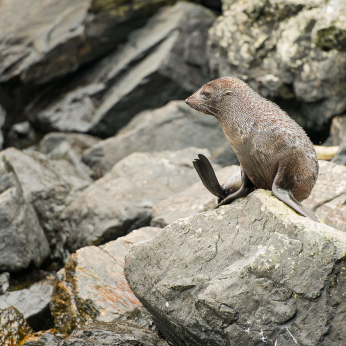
x: 229, y: 93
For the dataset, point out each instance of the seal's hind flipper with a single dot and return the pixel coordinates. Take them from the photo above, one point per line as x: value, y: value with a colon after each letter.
x: 207, y: 176
x: 287, y: 197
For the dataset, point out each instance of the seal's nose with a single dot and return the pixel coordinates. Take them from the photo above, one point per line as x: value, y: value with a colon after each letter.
x: 187, y: 101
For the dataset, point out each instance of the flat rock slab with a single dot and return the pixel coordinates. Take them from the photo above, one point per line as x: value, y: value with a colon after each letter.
x: 173, y: 127
x: 32, y: 302
x: 114, y: 333
x: 123, y: 199
x: 189, y: 202
x: 162, y: 61
x: 328, y: 197
x: 92, y: 286
x: 251, y: 273
x: 13, y: 326
x: 45, y: 39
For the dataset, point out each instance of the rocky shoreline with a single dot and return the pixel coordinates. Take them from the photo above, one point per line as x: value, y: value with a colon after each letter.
x: 107, y: 236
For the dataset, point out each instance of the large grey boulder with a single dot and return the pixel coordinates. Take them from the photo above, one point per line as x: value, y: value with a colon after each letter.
x: 269, y: 44
x: 191, y: 201
x: 328, y: 197
x: 250, y: 273
x: 22, y: 240
x: 41, y: 40
x: 32, y: 302
x: 173, y: 127
x: 92, y: 286
x: 46, y: 187
x: 123, y: 199
x: 164, y: 60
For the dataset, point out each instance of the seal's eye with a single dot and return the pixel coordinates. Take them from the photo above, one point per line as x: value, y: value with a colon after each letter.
x: 205, y: 95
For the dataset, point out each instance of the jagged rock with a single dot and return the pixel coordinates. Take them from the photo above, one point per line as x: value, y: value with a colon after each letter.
x: 172, y: 127
x: 42, y: 40
x: 114, y: 333
x: 32, y: 302
x: 340, y: 156
x: 269, y: 45
x: 47, y: 185
x: 337, y: 131
x: 13, y: 327
x: 330, y: 29
x: 123, y: 199
x: 21, y: 136
x: 68, y: 146
x: 164, y: 60
x: 92, y: 286
x: 328, y: 197
x: 4, y: 282
x: 49, y: 337
x: 251, y: 273
x: 22, y: 240
x: 2, y: 122
x: 189, y: 202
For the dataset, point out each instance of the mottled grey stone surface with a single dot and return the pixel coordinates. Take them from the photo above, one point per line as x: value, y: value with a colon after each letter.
x: 250, y: 273
x: 328, y: 197
x: 270, y: 45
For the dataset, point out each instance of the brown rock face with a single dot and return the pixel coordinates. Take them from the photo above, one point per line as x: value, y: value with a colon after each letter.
x: 92, y: 286
x: 13, y: 327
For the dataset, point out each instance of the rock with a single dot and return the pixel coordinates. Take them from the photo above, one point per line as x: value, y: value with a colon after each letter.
x: 330, y: 29
x: 172, y: 127
x: 189, y: 202
x: 4, y: 282
x: 21, y: 136
x: 269, y: 45
x: 123, y: 199
x: 2, y: 122
x: 250, y: 273
x: 22, y: 240
x: 33, y: 303
x: 43, y: 40
x: 49, y: 337
x: 46, y: 185
x: 113, y: 333
x: 337, y: 131
x: 92, y: 286
x: 13, y: 327
x: 163, y: 61
x: 68, y: 146
x: 328, y: 197
x: 340, y: 157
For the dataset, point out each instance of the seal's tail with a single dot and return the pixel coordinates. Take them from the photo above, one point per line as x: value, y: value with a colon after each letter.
x: 207, y: 176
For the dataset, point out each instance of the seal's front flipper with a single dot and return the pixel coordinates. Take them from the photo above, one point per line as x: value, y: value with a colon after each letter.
x: 287, y: 197
x: 207, y: 176
x: 245, y: 189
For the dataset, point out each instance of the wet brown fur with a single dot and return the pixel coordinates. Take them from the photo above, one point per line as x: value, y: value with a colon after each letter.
x: 265, y: 139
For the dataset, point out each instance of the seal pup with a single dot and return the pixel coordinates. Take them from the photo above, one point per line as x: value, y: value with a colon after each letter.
x: 273, y: 150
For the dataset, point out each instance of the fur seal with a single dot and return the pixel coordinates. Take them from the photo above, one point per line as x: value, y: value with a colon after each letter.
x: 273, y: 150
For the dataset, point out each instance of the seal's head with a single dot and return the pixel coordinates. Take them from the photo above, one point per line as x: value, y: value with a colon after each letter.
x: 216, y: 96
